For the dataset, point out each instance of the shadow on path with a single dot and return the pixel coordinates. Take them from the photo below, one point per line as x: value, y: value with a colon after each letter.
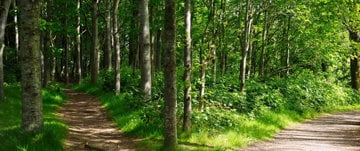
x: 90, y: 128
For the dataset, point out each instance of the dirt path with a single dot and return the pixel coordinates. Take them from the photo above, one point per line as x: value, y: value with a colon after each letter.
x: 338, y: 132
x: 89, y: 125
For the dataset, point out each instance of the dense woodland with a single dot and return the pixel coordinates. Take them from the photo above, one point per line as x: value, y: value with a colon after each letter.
x: 197, y: 68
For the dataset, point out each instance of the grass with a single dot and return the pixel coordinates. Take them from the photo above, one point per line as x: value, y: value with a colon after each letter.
x: 231, y: 119
x: 13, y: 138
x: 216, y: 128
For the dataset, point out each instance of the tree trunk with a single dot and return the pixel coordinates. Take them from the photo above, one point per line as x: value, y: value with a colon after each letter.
x: 30, y: 60
x: 16, y: 31
x: 188, y: 66
x: 94, y: 57
x: 145, y: 50
x: 67, y: 53
x: 245, y: 44
x: 158, y: 52
x: 202, y: 80
x: 4, y: 9
x: 264, y: 41
x: 47, y: 47
x: 78, y: 72
x: 107, y: 51
x: 355, y: 62
x: 116, y: 46
x: 170, y: 132
x: 223, y: 54
x: 214, y: 47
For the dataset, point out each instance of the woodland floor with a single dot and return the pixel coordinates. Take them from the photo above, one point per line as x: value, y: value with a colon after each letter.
x: 336, y: 132
x: 90, y: 127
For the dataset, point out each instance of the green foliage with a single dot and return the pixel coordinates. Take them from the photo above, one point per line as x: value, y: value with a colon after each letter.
x: 11, y: 135
x: 230, y: 118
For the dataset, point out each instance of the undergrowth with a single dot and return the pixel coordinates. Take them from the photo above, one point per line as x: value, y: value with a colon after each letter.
x: 12, y: 138
x: 231, y: 118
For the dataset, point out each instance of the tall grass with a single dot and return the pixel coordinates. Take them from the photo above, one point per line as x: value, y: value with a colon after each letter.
x: 12, y: 138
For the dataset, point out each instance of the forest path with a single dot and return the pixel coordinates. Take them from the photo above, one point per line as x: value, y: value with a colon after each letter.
x: 336, y: 132
x: 90, y: 127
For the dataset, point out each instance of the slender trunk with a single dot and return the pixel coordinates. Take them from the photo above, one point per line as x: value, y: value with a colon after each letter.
x: 107, y: 51
x: 78, y: 45
x: 116, y: 46
x: 152, y: 40
x: 188, y: 65
x: 134, y: 37
x: 250, y: 58
x: 66, y: 59
x: 94, y: 57
x: 222, y: 38
x: 30, y: 58
x: 288, y: 47
x: 16, y: 26
x: 47, y: 48
x: 145, y: 50
x: 170, y: 131
x: 213, y: 47
x: 264, y: 42
x: 4, y: 9
x: 202, y: 80
x: 245, y: 44
x: 158, y: 52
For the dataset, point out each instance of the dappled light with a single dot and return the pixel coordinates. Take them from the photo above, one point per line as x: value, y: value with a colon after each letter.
x: 89, y: 126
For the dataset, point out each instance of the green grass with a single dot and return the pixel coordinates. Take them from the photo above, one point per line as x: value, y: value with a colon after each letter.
x: 222, y: 126
x: 13, y: 138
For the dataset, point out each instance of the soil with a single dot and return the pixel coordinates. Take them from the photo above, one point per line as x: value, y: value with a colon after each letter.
x: 337, y: 132
x: 89, y: 126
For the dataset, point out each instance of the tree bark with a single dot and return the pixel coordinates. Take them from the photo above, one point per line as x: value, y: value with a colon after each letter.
x: 245, y: 44
x: 67, y: 53
x: 188, y: 66
x: 202, y: 80
x: 355, y: 62
x: 94, y: 57
x: 16, y: 26
x: 30, y: 60
x: 47, y: 47
x: 264, y: 40
x: 116, y: 46
x: 158, y: 52
x: 170, y: 131
x: 107, y: 51
x: 133, y: 35
x: 78, y: 72
x: 145, y: 50
x: 4, y: 9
